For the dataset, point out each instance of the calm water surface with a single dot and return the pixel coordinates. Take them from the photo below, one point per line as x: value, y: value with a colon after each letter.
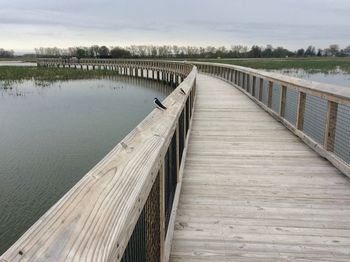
x: 51, y: 135
x: 16, y: 63
x: 335, y: 77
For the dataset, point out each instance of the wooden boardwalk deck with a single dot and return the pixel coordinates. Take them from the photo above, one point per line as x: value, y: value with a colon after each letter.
x: 252, y: 191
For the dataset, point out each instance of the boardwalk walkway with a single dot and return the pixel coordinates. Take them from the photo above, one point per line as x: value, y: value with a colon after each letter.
x: 252, y: 191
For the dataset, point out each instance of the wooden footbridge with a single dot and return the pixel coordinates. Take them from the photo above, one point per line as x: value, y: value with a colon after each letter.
x: 244, y: 165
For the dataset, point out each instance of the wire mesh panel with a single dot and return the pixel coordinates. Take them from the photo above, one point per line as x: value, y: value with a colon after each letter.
x: 342, y: 133
x: 170, y: 179
x: 136, y: 248
x: 238, y: 79
x: 315, y: 117
x: 276, y: 96
x: 251, y: 84
x: 187, y: 106
x: 190, y: 105
x: 247, y: 83
x: 181, y: 135
x: 256, y: 87
x: 244, y: 81
x: 144, y: 243
x: 291, y: 106
x: 264, y: 92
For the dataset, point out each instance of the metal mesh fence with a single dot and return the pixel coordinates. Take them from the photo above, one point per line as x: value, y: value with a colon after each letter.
x: 315, y: 118
x: 276, y: 93
x: 187, y: 106
x: 256, y: 88
x: 181, y: 135
x: 264, y: 92
x: 170, y: 179
x: 144, y: 243
x: 342, y: 133
x: 291, y: 106
x: 251, y: 84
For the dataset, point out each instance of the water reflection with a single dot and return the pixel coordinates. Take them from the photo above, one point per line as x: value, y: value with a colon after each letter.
x: 335, y: 77
x: 16, y: 63
x: 52, y: 133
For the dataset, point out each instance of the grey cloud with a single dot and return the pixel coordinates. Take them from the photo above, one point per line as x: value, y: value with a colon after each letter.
x: 200, y: 22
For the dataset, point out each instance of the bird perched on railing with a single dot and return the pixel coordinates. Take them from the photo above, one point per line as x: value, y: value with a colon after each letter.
x: 158, y: 103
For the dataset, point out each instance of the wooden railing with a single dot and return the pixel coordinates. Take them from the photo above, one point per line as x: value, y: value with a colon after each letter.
x: 124, y: 208
x: 168, y: 71
x: 318, y: 113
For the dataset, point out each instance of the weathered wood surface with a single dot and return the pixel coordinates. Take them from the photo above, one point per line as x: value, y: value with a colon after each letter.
x: 95, y: 219
x: 252, y: 191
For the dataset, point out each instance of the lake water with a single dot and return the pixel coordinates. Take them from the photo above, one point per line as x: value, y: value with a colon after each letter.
x: 16, y: 63
x: 335, y: 77
x: 51, y: 135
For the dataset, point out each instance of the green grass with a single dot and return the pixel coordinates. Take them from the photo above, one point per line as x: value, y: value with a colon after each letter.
x: 15, y: 73
x: 309, y: 64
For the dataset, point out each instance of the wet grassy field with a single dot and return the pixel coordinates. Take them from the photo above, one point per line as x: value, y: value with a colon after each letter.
x: 319, y: 64
x: 9, y: 73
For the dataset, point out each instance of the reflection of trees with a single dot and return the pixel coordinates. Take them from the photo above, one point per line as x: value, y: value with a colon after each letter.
x: 10, y: 87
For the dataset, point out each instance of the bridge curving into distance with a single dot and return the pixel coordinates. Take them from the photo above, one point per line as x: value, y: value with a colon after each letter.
x: 244, y: 165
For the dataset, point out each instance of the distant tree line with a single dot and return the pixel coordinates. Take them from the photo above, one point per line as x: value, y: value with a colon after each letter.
x: 6, y: 53
x: 174, y: 51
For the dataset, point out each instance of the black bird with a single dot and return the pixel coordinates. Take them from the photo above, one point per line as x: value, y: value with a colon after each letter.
x: 182, y: 91
x: 158, y: 103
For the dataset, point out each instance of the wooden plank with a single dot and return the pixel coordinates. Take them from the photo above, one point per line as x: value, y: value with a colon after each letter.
x: 300, y: 111
x: 252, y: 191
x: 331, y: 121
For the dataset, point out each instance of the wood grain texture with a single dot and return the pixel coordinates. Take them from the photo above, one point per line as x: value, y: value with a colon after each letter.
x: 253, y: 191
x: 95, y: 219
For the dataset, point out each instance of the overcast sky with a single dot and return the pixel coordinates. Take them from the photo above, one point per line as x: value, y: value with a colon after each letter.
x: 26, y: 24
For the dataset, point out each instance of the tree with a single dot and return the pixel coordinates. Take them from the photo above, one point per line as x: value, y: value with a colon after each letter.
x: 93, y: 50
x: 310, y: 51
x: 268, y: 51
x: 118, y: 52
x: 80, y: 53
x: 281, y: 52
x: 103, y: 52
x: 333, y: 50
x: 255, y: 51
x: 347, y: 50
x: 6, y: 53
x: 301, y: 52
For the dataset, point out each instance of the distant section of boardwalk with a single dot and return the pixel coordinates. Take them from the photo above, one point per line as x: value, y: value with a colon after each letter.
x: 252, y: 191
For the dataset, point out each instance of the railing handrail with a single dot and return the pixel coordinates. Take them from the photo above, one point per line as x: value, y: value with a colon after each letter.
x: 270, y: 91
x: 335, y: 93
x: 95, y: 219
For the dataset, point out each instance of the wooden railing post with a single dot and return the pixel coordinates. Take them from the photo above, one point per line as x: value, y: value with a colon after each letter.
x: 269, y: 94
x: 283, y: 95
x: 330, y: 129
x: 301, y: 110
